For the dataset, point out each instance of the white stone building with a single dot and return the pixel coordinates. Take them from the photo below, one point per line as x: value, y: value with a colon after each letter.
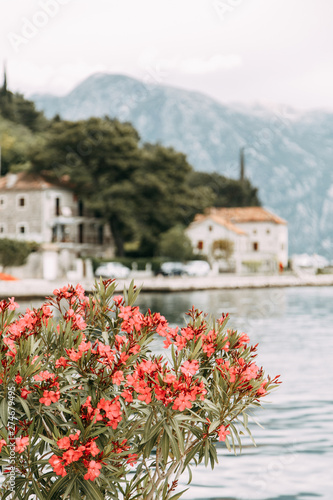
x: 33, y: 209
x: 259, y: 238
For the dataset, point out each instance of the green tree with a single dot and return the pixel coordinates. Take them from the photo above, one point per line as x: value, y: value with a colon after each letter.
x: 227, y: 192
x: 175, y: 244
x: 141, y: 191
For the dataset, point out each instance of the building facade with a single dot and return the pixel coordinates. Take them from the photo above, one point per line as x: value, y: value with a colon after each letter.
x: 33, y: 209
x: 258, y: 238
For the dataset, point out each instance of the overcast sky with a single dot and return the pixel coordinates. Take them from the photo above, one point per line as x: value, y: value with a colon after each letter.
x: 267, y: 51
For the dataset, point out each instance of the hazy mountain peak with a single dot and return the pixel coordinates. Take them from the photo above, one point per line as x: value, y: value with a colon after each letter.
x: 288, y: 153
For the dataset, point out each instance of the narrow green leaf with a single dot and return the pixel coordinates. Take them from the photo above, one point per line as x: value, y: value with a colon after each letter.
x: 174, y: 445
x: 165, y: 444
x: 178, y: 495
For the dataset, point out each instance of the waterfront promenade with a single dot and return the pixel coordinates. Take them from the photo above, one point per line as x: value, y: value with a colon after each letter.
x: 37, y: 288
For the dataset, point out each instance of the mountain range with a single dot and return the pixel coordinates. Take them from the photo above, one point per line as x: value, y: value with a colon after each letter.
x: 288, y: 154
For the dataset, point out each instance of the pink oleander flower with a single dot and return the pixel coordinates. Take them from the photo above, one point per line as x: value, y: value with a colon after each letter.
x: 57, y: 465
x: 45, y: 375
x: 118, y: 377
x: 21, y: 444
x: 190, y: 367
x: 94, y: 470
x: 12, y: 304
x: 182, y: 402
x: 92, y: 448
x: 117, y: 299
x: 61, y: 362
x: 72, y: 455
x: 222, y: 432
x: 24, y: 393
x: 50, y: 397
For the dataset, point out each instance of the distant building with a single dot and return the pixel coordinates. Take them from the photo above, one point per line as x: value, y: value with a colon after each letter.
x: 34, y: 209
x: 258, y: 238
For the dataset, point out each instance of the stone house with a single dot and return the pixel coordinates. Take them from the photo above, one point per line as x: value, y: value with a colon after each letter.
x: 34, y: 209
x: 258, y: 238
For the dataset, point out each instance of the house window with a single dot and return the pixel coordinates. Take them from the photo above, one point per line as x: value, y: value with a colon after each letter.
x: 57, y: 206
x: 80, y: 208
x: 100, y: 235
x: 210, y: 228
x: 200, y: 245
x: 282, y: 246
x: 255, y: 246
x: 254, y: 231
x: 2, y: 201
x: 2, y: 229
x: 22, y: 228
x: 81, y: 233
x: 21, y: 202
x: 268, y: 231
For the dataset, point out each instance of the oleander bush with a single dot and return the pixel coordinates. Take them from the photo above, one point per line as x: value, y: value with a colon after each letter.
x: 88, y: 411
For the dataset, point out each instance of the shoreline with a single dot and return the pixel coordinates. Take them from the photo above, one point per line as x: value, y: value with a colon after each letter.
x: 39, y: 289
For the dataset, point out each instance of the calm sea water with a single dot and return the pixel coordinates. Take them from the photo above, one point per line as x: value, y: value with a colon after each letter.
x: 293, y: 459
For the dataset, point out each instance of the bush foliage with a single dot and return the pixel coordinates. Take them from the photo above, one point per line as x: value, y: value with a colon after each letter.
x: 14, y: 252
x: 98, y: 414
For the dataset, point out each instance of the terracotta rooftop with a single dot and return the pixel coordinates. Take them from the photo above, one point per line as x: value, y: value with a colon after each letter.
x: 219, y: 220
x: 25, y: 181
x: 245, y: 214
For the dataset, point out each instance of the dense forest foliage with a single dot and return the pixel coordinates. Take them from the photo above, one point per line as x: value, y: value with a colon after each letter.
x: 141, y: 190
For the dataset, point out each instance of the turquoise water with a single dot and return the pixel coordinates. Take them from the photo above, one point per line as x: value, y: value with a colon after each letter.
x: 293, y: 459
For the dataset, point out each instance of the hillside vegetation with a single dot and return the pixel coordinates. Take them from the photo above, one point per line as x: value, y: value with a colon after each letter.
x: 141, y: 190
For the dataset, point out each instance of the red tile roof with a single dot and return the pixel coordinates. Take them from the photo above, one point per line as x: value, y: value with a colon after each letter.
x: 219, y: 220
x: 25, y: 181
x: 245, y: 214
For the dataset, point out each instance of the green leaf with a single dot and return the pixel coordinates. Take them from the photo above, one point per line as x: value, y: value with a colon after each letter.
x: 178, y: 495
x: 57, y: 487
x: 174, y: 445
x: 190, y: 476
x: 37, y: 490
x: 25, y: 407
x: 165, y: 444
x: 92, y: 490
x: 4, y: 411
x: 179, y: 435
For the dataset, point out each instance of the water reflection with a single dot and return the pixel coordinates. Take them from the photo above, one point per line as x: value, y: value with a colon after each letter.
x: 244, y: 306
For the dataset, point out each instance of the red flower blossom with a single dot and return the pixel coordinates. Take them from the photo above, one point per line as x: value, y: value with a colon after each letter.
x: 222, y: 433
x: 190, y: 367
x: 24, y: 393
x: 94, y: 470
x: 50, y: 397
x: 57, y: 465
x: 21, y: 444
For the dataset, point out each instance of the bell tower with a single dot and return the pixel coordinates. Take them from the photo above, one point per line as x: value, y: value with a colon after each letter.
x: 241, y: 164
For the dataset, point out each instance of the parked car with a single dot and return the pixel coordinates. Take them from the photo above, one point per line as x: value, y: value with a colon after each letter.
x: 197, y: 268
x: 112, y: 270
x: 172, y: 269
